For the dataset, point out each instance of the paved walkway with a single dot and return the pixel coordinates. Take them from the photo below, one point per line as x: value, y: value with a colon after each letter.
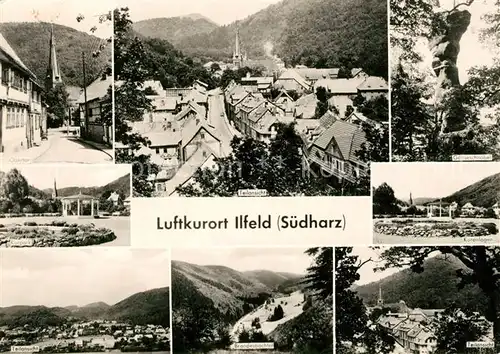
x: 62, y: 148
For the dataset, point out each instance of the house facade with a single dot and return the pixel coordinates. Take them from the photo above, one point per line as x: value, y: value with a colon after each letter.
x: 23, y: 119
x: 93, y: 123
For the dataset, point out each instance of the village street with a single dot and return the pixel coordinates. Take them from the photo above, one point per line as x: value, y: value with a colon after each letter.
x: 218, y: 119
x: 61, y: 148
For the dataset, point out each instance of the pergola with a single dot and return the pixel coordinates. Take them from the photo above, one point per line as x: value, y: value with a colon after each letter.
x: 431, y: 207
x: 74, y: 205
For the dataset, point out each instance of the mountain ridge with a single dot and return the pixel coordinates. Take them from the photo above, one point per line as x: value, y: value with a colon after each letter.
x: 134, y: 309
x: 30, y: 40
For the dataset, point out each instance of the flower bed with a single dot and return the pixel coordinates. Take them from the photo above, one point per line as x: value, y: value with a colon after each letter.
x: 54, y: 234
x: 435, y: 229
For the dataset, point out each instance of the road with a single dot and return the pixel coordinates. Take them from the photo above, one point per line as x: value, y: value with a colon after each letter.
x: 60, y: 148
x: 217, y: 117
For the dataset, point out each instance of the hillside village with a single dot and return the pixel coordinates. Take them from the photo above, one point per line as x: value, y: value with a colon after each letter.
x: 412, y: 328
x: 191, y: 127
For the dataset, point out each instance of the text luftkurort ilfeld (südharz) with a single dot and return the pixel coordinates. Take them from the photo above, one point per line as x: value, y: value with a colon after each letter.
x: 244, y: 222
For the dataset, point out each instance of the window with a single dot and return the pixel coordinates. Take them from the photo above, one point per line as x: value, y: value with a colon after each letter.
x: 160, y: 187
x: 202, y: 135
x: 157, y: 150
x: 5, y: 76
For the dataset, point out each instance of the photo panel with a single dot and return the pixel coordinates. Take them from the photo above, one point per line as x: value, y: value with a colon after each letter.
x: 252, y: 300
x: 436, y: 203
x: 445, y: 61
x: 65, y: 205
x: 273, y: 99
x: 56, y: 81
x: 78, y: 300
x: 425, y: 299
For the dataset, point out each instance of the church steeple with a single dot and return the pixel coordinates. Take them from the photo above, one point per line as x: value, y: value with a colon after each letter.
x: 54, y: 192
x: 411, y: 199
x: 380, y: 301
x: 237, y: 56
x: 53, y: 72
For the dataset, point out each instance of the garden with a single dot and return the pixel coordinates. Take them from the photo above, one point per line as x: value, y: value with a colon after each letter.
x: 53, y: 234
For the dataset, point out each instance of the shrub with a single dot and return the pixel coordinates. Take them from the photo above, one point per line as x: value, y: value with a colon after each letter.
x: 491, y: 227
x: 70, y: 230
x: 30, y: 223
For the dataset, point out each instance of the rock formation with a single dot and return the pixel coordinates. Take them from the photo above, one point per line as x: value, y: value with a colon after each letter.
x: 444, y: 43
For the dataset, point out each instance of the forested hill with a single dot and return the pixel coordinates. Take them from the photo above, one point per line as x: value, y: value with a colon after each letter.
x: 174, y: 29
x: 483, y: 193
x: 435, y: 288
x: 30, y: 40
x: 317, y: 33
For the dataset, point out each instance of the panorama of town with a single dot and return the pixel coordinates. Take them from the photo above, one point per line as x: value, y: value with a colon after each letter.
x: 79, y: 336
x: 190, y: 128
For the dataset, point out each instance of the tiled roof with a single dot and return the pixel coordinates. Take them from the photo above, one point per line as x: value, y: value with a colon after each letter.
x: 192, y: 107
x: 341, y: 102
x: 327, y: 119
x: 292, y: 75
x: 347, y: 136
x: 305, y: 107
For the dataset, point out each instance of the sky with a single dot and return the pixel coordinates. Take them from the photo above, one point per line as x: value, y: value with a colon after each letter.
x: 291, y: 260
x: 367, y: 273
x: 222, y: 12
x: 433, y: 180
x: 80, y: 276
x: 63, y: 12
x: 42, y: 176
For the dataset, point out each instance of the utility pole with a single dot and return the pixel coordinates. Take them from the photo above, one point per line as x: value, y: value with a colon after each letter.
x: 85, y: 94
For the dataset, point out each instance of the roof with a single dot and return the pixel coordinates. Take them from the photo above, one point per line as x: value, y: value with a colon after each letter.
x: 374, y: 83
x: 360, y: 116
x: 162, y: 103
x: 305, y: 107
x: 341, y: 102
x: 468, y: 205
x: 79, y: 197
x: 340, y: 86
x: 9, y: 54
x: 97, y: 89
x: 188, y: 169
x: 292, y: 75
x: 192, y: 107
x: 165, y: 138
x: 314, y: 74
x: 327, y: 119
x: 347, y: 136
x: 193, y: 126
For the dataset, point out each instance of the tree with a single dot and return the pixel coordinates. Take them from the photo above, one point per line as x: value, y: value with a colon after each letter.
x: 214, y: 68
x: 455, y: 327
x: 276, y: 167
x: 57, y: 102
x: 319, y: 278
x: 131, y: 71
x: 14, y: 186
x: 353, y: 328
x: 322, y: 106
x: 384, y: 200
x: 482, y: 268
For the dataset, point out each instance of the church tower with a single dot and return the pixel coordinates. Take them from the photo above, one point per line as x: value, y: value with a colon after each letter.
x: 237, y: 56
x: 53, y: 72
x: 380, y: 301
x: 54, y: 192
x: 411, y: 199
